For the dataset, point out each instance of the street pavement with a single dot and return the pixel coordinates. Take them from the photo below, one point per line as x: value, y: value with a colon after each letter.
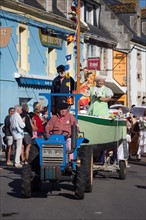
x: 111, y: 198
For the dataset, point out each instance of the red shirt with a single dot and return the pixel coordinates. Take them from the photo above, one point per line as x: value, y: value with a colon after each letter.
x: 60, y: 123
x: 39, y: 123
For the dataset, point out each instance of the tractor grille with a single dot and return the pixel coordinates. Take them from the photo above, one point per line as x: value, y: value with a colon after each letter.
x: 52, y: 154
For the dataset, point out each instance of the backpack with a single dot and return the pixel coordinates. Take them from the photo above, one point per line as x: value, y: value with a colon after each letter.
x: 4, y: 129
x: 5, y: 140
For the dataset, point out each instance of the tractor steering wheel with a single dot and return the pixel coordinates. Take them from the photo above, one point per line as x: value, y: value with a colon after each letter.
x: 62, y: 132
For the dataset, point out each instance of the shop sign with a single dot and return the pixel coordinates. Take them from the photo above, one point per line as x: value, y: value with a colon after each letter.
x: 93, y: 63
x: 49, y: 39
x: 120, y: 68
x: 5, y: 34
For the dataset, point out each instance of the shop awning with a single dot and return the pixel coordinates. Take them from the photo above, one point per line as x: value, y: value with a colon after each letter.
x: 115, y: 88
x: 33, y: 81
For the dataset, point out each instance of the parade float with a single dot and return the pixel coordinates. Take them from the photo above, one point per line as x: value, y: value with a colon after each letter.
x: 107, y: 136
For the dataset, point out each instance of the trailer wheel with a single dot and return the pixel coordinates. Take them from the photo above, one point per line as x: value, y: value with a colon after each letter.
x: 86, y: 156
x: 79, y: 184
x: 26, y: 181
x: 122, y: 170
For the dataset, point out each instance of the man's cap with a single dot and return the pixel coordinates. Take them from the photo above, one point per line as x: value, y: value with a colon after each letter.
x: 62, y: 106
x: 1, y: 124
x: 60, y: 67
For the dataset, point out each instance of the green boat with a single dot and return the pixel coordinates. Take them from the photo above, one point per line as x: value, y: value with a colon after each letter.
x: 101, y: 130
x: 104, y: 134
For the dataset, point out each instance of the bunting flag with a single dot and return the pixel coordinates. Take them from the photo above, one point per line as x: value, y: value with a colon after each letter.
x: 70, y: 38
x: 68, y: 57
x: 74, y: 3
x: 73, y: 13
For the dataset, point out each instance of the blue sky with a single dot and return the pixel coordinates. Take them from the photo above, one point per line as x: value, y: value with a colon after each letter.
x: 142, y: 3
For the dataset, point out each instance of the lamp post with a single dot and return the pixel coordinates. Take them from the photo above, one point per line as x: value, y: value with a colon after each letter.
x: 78, y: 51
x: 78, y: 48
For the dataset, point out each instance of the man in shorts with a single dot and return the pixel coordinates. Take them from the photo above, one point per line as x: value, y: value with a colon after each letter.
x: 8, y: 136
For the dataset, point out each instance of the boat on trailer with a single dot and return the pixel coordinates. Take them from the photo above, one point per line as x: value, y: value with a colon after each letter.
x: 107, y: 137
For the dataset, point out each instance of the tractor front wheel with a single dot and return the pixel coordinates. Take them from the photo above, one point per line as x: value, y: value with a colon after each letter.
x: 79, y: 183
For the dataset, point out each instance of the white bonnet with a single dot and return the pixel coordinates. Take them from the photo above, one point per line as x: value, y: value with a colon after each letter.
x: 99, y: 77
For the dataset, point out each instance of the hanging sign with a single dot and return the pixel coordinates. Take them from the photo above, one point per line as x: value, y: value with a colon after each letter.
x: 94, y: 63
x: 120, y: 68
x: 5, y: 34
x: 49, y: 39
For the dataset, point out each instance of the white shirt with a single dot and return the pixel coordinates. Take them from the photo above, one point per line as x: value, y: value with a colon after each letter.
x: 17, y: 126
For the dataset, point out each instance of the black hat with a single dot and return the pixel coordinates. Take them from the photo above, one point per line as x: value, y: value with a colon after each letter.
x: 60, y: 67
x: 1, y: 124
x: 62, y: 106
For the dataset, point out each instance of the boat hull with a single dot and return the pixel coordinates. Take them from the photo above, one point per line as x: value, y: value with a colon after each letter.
x: 104, y: 134
x: 102, y: 131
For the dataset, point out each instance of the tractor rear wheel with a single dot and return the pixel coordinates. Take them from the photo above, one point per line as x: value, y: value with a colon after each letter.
x: 26, y: 181
x: 36, y: 183
x: 86, y: 155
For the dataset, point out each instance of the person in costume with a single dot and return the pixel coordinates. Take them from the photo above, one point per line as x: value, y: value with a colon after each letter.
x: 99, y: 95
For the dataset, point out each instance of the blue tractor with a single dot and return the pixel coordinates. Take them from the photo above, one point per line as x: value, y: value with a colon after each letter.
x: 49, y: 159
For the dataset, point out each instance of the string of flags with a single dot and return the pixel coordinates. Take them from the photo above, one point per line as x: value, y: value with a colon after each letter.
x: 73, y: 36
x: 70, y: 38
x: 73, y: 12
x: 68, y: 57
x: 74, y: 3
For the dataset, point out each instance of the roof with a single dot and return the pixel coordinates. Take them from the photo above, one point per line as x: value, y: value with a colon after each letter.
x: 123, y: 11
x: 123, y: 8
x: 34, y: 3
x: 33, y: 8
x: 100, y: 34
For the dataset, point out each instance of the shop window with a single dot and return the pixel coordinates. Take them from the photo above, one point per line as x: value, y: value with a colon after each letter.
x: 144, y: 27
x: 82, y: 10
x: 96, y: 16
x: 90, y: 50
x: 103, y: 58
x: 89, y: 14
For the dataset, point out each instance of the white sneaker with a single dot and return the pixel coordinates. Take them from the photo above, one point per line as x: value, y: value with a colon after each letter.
x: 18, y: 165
